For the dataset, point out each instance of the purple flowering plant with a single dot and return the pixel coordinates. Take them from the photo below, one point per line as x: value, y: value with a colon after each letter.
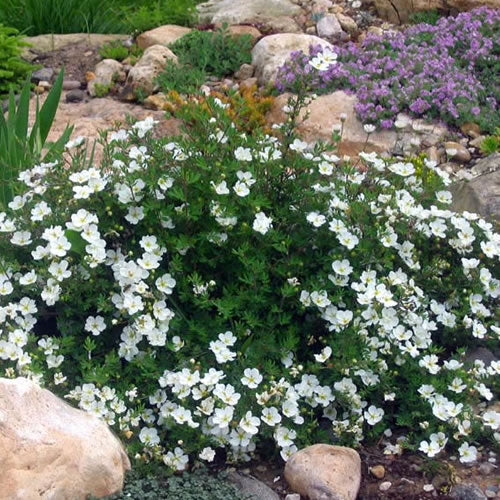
x: 449, y: 71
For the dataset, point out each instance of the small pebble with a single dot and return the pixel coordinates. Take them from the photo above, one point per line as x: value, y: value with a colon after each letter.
x: 428, y: 487
x: 88, y: 53
x: 486, y: 468
x: 490, y: 493
x: 75, y: 95
x: 71, y: 84
x: 378, y: 471
x: 292, y: 496
x: 261, y: 468
x: 385, y: 486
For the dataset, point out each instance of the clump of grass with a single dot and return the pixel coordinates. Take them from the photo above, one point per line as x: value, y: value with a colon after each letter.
x: 117, y: 51
x: 148, y: 15
x: 36, y: 17
x: 491, y: 143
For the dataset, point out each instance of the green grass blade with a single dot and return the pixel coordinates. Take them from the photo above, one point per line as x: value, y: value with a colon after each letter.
x: 23, y: 107
x: 49, y: 108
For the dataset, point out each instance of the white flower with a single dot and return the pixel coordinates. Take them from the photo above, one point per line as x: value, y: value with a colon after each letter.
x: 252, y: 378
x: 262, y: 223
x: 95, y: 325
x: 243, y: 154
x: 323, y: 355
x: 249, y: 423
x: 343, y: 267
x: 221, y: 188
x: 223, y: 416
x: 241, y: 189
x: 271, y: 416
x: 369, y: 128
x: 492, y: 419
x: 149, y: 436
x: 430, y: 449
x: 207, y: 454
x: 373, y: 415
x: 21, y: 238
x: 468, y: 453
x: 316, y: 219
x: 177, y: 460
x: 135, y: 214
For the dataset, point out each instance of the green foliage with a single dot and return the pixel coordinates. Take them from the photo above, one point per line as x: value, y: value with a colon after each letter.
x: 491, y: 143
x: 233, y: 291
x: 114, y: 50
x: 184, y: 79
x: 197, y: 485
x: 36, y: 17
x: 18, y: 148
x: 425, y: 17
x: 218, y: 53
x: 139, y: 18
x: 102, y: 89
x: 13, y: 69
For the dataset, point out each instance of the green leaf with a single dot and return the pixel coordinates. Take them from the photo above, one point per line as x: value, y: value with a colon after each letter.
x: 48, y: 111
x: 78, y: 244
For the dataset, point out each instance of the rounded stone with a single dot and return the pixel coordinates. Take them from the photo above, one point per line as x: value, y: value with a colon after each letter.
x: 325, y: 471
x: 377, y: 471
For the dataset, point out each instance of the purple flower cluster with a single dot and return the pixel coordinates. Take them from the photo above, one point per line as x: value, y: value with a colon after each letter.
x: 427, y: 71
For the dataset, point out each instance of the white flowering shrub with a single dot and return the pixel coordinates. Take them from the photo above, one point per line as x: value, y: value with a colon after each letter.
x: 220, y: 290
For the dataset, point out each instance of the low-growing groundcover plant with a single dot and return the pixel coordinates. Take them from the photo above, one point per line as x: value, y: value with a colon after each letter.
x: 197, y: 485
x: 448, y: 71
x: 204, y: 53
x: 217, y: 53
x: 221, y: 293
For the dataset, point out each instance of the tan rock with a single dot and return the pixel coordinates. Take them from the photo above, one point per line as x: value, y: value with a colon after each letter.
x: 433, y: 154
x: 155, y: 101
x: 50, y: 450
x: 142, y: 76
x: 399, y: 11
x: 377, y: 471
x: 237, y: 29
x: 98, y: 114
x: 272, y: 51
x: 106, y: 72
x: 328, y: 27
x: 347, y: 23
x: 46, y: 43
x: 325, y: 472
x: 163, y: 35
x: 471, y: 129
x: 457, y: 152
x: 246, y: 71
x: 248, y: 83
x: 242, y: 11
x: 271, y: 24
x: 325, y: 116
x: 476, y: 143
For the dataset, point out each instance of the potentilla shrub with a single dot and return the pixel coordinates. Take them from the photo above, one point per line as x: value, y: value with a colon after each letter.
x: 448, y: 71
x: 217, y: 290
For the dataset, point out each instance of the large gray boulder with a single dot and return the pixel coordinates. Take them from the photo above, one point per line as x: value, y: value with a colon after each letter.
x: 241, y: 11
x: 482, y: 193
